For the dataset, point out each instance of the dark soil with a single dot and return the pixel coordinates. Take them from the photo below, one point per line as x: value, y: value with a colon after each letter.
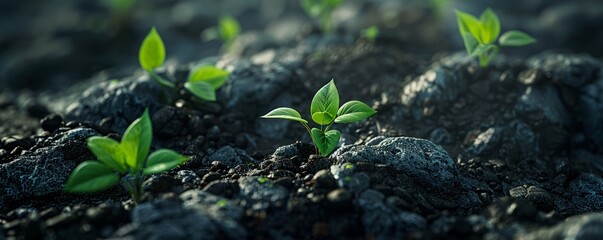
x: 511, y: 151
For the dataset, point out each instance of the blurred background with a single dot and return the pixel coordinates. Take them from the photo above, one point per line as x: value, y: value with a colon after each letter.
x: 50, y: 44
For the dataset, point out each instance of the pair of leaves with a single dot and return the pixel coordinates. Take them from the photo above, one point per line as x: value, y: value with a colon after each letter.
x: 479, y: 35
x: 203, y: 81
x: 321, y: 10
x: 371, y: 33
x: 325, y: 110
x: 126, y: 157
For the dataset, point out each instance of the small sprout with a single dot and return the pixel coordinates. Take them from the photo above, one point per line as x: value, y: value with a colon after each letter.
x: 321, y: 10
x: 203, y: 81
x: 228, y: 29
x: 262, y: 180
x: 370, y: 34
x: 325, y: 111
x: 152, y: 55
x: 129, y: 159
x: 349, y: 166
x: 480, y: 35
x: 223, y: 203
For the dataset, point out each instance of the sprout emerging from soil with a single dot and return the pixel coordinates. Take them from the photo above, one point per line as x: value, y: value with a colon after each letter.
x: 321, y: 10
x: 370, y: 34
x: 480, y: 35
x: 203, y: 81
x: 325, y: 111
x: 128, y: 160
x: 227, y: 30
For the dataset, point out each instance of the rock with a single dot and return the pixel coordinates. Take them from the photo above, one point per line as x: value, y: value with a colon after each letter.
x: 51, y: 122
x: 230, y: 156
x: 324, y: 180
x: 440, y: 136
x: 286, y: 151
x: 544, y: 100
x: 587, y: 193
x: 171, y: 220
x: 571, y: 70
x: 382, y: 221
x: 40, y: 173
x: 261, y: 194
x: 485, y: 141
x: 224, y: 213
x: 438, y: 85
x: 425, y: 162
x: 590, y: 109
x: 340, y: 199
x: 122, y: 101
x: 582, y: 227
x: 523, y: 137
x: 537, y: 196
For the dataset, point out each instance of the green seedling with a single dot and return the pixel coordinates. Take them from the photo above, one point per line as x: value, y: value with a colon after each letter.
x: 202, y: 82
x: 370, y: 34
x: 228, y: 30
x: 321, y: 10
x: 127, y: 161
x: 480, y: 35
x: 325, y: 111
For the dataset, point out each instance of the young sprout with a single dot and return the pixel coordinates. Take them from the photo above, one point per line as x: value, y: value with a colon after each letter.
x: 370, y: 34
x: 152, y: 55
x: 127, y: 161
x: 480, y: 35
x: 325, y: 111
x: 228, y: 30
x: 321, y: 10
x: 202, y: 82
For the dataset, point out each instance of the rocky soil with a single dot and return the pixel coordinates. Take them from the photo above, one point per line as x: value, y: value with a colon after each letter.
x: 512, y: 151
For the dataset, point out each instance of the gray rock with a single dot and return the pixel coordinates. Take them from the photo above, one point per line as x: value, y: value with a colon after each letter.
x: 523, y: 136
x: 347, y: 178
x: 438, y: 85
x: 440, y: 136
x: 537, y: 196
x: 591, y: 110
x: 587, y: 193
x: 79, y: 134
x: 545, y: 100
x: 425, y: 162
x: 382, y: 221
x: 485, y: 141
x: 37, y: 174
x: 222, y: 211
x: 230, y: 156
x: 582, y: 227
x: 571, y: 70
x: 260, y: 194
x: 286, y: 151
x: 121, y: 101
x: 170, y: 220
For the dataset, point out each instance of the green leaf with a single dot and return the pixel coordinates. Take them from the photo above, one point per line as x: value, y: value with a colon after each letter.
x: 312, y: 7
x: 515, y: 39
x: 228, y: 29
x: 470, y: 24
x: 152, y: 51
x: 163, y: 160
x: 470, y: 43
x: 353, y: 111
x: 108, y: 152
x: 491, y: 26
x: 210, y: 74
x: 326, y: 142
x: 371, y: 33
x: 285, y: 113
x: 136, y: 141
x: 90, y: 176
x: 325, y: 104
x: 202, y: 90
